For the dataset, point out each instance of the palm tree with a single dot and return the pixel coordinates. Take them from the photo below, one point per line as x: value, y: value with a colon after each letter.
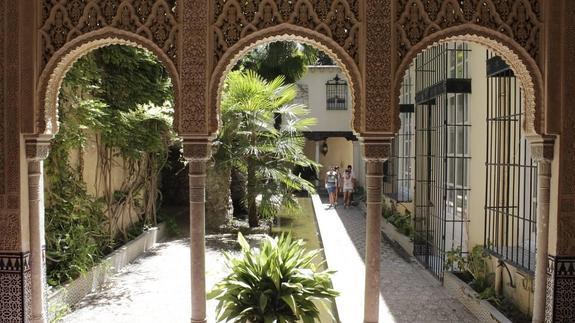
x: 250, y: 142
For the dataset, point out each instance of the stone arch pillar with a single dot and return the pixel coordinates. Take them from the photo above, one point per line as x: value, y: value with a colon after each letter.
x: 375, y: 153
x: 197, y: 151
x: 36, y: 151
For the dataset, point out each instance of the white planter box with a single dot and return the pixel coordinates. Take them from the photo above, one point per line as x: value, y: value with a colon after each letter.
x: 482, y: 309
x: 390, y: 231
x: 74, y: 291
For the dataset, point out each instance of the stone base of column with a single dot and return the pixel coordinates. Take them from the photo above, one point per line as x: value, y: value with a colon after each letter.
x: 196, y: 321
x: 560, y: 286
x: 15, y: 287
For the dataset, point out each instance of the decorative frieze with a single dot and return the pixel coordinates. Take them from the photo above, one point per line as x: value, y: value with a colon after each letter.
x: 62, y: 21
x: 560, y: 289
x: 15, y: 287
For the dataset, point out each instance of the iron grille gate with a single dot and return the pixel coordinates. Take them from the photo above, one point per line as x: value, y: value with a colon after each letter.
x: 511, y: 195
x: 442, y: 154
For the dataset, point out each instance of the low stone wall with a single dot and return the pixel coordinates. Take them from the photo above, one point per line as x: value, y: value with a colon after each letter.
x: 73, y: 292
x: 482, y: 309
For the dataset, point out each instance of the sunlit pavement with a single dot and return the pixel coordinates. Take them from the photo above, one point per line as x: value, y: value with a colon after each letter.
x: 156, y: 287
x: 408, y: 292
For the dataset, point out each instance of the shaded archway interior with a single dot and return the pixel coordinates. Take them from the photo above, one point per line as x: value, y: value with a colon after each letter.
x: 238, y: 51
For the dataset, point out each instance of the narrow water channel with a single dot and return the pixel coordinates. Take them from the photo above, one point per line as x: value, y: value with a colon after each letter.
x: 304, y: 226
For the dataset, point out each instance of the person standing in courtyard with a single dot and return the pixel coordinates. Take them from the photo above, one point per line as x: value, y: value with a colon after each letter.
x: 331, y: 185
x: 348, y: 186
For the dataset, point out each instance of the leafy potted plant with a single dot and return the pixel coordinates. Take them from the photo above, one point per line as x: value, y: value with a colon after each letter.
x: 280, y: 282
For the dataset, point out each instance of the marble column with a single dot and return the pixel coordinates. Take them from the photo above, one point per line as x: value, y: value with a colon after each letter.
x: 542, y: 153
x: 197, y: 153
x: 375, y: 153
x: 36, y: 151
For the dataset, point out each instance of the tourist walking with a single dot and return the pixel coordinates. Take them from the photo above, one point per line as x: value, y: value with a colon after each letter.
x: 348, y: 186
x: 331, y: 185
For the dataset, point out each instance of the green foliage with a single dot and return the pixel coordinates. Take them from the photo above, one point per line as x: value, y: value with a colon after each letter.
x: 250, y: 142
x: 403, y: 222
x: 119, y: 98
x: 283, y: 58
x: 278, y: 283
x: 476, y: 264
x: 58, y: 311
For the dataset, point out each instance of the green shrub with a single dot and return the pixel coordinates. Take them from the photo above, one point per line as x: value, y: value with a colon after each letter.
x: 278, y: 283
x: 477, y: 266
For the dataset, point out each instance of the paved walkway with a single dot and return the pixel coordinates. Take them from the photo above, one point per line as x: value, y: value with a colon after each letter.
x: 155, y: 288
x: 408, y: 292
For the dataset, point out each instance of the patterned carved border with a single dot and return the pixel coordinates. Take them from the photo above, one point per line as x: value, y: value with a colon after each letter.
x: 15, y: 287
x: 523, y: 65
x: 285, y: 32
x: 560, y: 289
x: 63, y: 21
x: 59, y: 64
x: 381, y: 115
x: 519, y: 20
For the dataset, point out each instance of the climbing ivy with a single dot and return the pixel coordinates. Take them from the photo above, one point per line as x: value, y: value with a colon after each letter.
x: 118, y: 98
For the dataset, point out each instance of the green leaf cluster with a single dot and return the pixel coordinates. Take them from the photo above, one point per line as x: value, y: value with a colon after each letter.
x: 251, y: 141
x: 403, y: 222
x: 277, y: 283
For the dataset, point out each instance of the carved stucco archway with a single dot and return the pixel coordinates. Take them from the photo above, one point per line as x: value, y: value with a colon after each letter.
x: 60, y: 63
x: 70, y: 29
x: 522, y: 64
x: 286, y: 33
x: 512, y: 29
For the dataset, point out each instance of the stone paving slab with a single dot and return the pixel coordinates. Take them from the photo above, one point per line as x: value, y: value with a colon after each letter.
x: 408, y: 292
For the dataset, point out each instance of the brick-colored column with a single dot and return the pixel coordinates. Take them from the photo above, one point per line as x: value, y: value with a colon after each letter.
x: 542, y: 152
x: 36, y: 152
x: 197, y: 153
x: 375, y: 153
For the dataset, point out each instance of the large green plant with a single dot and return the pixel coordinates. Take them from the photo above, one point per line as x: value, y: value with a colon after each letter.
x: 278, y: 283
x: 250, y: 141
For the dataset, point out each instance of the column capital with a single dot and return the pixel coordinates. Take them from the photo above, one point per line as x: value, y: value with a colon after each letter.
x: 376, y: 150
x: 197, y: 149
x: 37, y: 147
x: 542, y: 147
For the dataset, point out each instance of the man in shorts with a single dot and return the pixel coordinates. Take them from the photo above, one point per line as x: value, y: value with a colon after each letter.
x: 331, y: 184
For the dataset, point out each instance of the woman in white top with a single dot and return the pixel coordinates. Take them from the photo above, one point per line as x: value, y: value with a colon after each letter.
x: 347, y: 188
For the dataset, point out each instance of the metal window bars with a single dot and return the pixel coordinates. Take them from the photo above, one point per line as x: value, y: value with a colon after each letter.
x: 442, y: 154
x: 336, y: 94
x: 398, y: 180
x: 511, y: 195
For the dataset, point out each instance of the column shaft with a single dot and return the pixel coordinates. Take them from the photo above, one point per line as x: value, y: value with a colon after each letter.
x: 543, y: 197
x: 374, y: 177
x: 37, y: 241
x: 197, y: 175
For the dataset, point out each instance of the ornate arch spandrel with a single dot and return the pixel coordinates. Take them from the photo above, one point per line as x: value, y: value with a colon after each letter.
x: 233, y: 20
x: 519, y: 20
x: 63, y: 21
x: 53, y: 74
x: 517, y: 57
x: 285, y: 32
